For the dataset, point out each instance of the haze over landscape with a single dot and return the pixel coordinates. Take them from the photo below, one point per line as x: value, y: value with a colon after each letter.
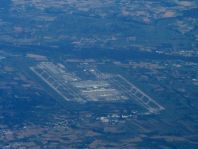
x: 99, y: 74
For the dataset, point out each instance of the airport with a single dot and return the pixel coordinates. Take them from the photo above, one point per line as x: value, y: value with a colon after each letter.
x: 103, y: 88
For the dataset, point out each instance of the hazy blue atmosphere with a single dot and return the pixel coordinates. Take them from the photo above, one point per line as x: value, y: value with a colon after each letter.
x: 99, y: 74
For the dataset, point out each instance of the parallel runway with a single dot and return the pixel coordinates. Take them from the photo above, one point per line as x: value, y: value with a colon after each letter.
x: 108, y: 88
